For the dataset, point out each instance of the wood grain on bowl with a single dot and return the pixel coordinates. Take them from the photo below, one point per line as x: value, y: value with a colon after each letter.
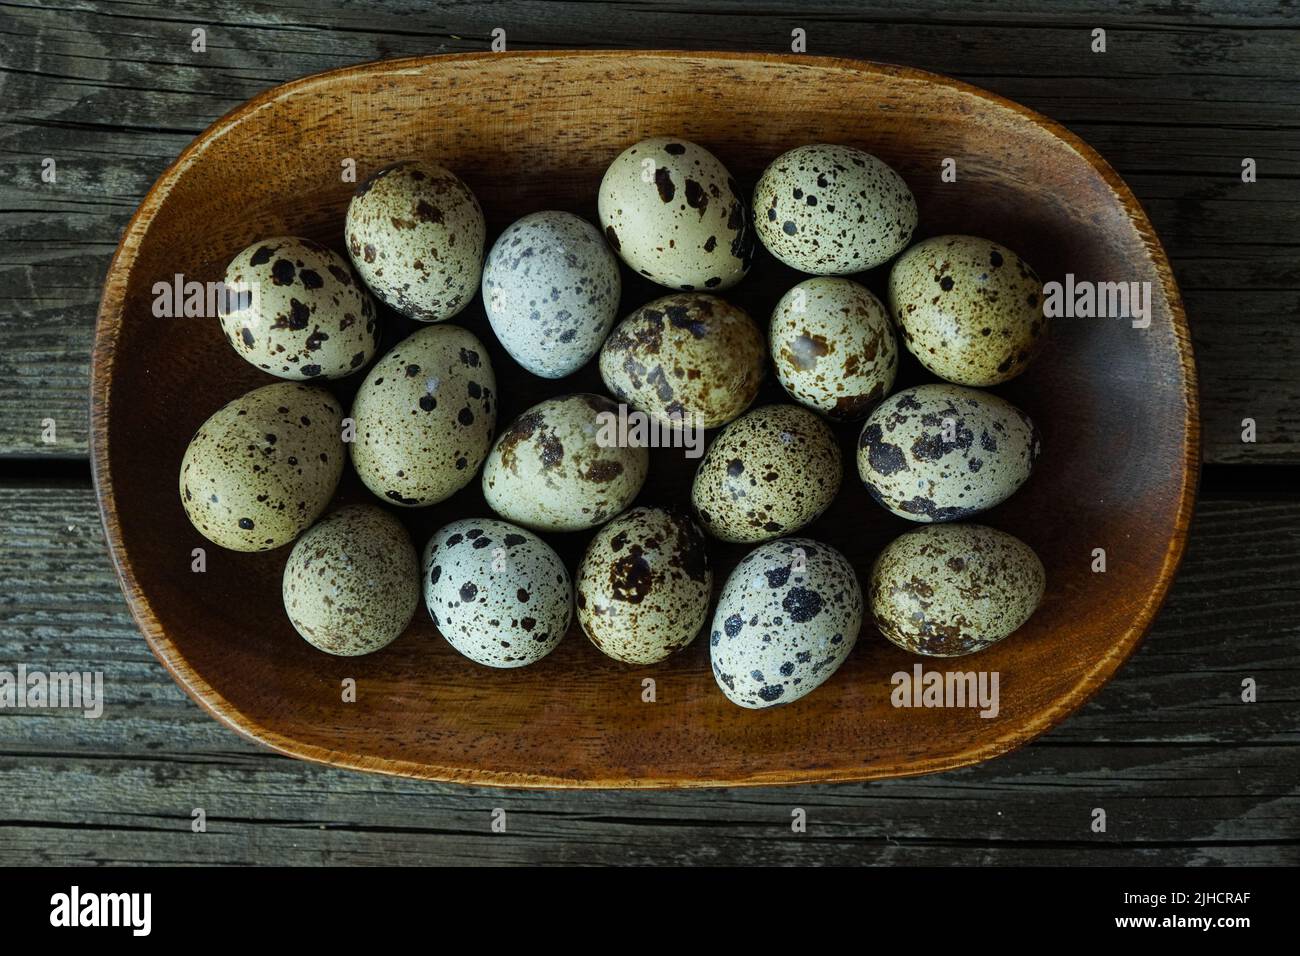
x: 532, y: 131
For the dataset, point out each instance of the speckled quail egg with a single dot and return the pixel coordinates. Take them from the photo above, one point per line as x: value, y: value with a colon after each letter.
x: 424, y: 417
x: 298, y: 311
x: 559, y: 466
x: 969, y: 309
x: 415, y: 233
x: 832, y: 210
x: 263, y: 468
x: 352, y: 582
x: 786, y: 620
x: 940, y: 452
x: 499, y: 594
x: 687, y: 359
x: 674, y: 214
x: 833, y: 347
x: 947, y: 590
x: 771, y: 471
x: 551, y: 288
x: 644, y: 584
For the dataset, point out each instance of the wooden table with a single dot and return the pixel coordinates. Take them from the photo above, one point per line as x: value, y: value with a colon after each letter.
x: 1186, y: 771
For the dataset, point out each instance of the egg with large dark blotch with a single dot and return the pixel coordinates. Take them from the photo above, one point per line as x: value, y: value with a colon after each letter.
x: 941, y: 452
x: 644, y: 584
x: 786, y: 620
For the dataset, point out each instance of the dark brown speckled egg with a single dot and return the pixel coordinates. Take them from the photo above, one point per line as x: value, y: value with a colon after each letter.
x: 686, y: 359
x: 771, y: 472
x: 644, y: 584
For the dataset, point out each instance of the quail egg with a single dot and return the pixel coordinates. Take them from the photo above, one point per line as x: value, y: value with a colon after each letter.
x: 415, y: 233
x: 833, y: 347
x: 832, y: 210
x: 947, y: 590
x: 674, y: 214
x: 262, y: 469
x: 352, y: 582
x: 559, y: 467
x: 688, y: 360
x: 770, y: 472
x: 969, y: 309
x: 644, y: 584
x: 497, y: 593
x: 551, y: 288
x: 940, y: 452
x: 786, y: 620
x: 298, y: 311
x: 424, y: 417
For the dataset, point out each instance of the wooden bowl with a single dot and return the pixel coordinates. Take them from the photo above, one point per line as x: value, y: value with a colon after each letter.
x: 532, y: 131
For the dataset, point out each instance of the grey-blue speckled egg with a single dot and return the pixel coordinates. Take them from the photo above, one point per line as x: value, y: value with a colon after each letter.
x: 674, y: 214
x: 832, y: 210
x: 498, y: 593
x: 941, y: 452
x: 550, y: 289
x: 786, y: 620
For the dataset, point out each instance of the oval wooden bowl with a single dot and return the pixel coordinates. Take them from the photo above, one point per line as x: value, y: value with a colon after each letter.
x: 531, y: 131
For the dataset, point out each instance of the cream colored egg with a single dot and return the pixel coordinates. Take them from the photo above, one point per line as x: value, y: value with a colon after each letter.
x: 644, y: 584
x: 686, y: 359
x: 833, y: 347
x: 298, y: 311
x: 424, y: 417
x: 262, y: 468
x: 947, y: 590
x: 941, y: 452
x: 970, y: 310
x: 771, y: 472
x: 416, y: 233
x: 559, y: 467
x: 832, y: 210
x: 674, y: 214
x: 352, y: 583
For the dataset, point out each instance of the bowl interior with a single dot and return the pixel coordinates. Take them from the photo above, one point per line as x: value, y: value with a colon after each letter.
x: 1116, y: 407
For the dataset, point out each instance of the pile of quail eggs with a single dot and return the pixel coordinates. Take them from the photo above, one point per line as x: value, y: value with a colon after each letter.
x: 261, y: 472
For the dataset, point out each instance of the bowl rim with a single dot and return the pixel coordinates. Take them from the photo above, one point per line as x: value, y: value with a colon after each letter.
x: 108, y: 329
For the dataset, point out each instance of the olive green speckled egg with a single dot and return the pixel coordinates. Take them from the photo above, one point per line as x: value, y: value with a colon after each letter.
x: 948, y: 590
x: 352, y: 582
x: 970, y: 310
x: 262, y: 468
x: 771, y: 472
x: 424, y: 417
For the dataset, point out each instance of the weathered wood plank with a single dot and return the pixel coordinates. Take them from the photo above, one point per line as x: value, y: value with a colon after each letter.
x: 113, y: 92
x: 1186, y: 772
